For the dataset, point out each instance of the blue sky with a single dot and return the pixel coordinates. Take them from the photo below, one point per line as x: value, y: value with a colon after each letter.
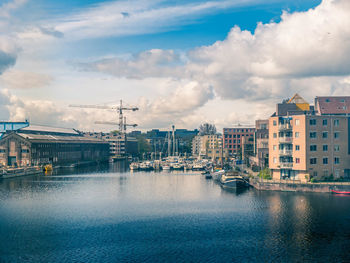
x: 182, y: 62
x: 203, y: 29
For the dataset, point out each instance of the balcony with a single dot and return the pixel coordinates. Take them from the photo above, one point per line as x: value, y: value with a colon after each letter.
x: 285, y: 139
x: 286, y: 152
x: 285, y: 127
x: 286, y: 165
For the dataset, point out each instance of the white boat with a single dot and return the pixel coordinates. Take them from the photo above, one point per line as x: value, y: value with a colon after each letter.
x: 177, y: 166
x: 134, y: 166
x: 146, y: 166
x: 166, y: 167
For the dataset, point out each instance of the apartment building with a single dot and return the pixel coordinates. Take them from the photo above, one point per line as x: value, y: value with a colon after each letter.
x: 260, y: 157
x: 232, y: 138
x: 305, y: 144
x: 202, y: 144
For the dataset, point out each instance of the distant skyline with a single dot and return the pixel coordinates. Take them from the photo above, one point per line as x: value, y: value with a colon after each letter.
x: 181, y: 62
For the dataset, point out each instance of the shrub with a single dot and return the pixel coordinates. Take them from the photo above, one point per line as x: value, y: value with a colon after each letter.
x: 265, y: 174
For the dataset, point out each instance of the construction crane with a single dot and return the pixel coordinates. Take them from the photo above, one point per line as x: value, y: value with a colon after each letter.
x: 122, y: 120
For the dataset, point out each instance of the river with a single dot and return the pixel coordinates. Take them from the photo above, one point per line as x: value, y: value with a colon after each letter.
x: 107, y: 214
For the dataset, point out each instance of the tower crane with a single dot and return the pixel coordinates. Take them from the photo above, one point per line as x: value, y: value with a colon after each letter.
x: 122, y: 120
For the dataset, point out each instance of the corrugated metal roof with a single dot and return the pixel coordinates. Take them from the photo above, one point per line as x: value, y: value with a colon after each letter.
x: 57, y: 138
x: 41, y: 128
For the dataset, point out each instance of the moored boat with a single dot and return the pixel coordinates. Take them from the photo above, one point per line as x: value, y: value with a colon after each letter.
x: 340, y: 192
x: 134, y: 166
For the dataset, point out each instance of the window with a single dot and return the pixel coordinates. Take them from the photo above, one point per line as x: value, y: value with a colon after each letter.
x: 325, y: 160
x: 233, y: 136
x: 239, y: 141
x: 313, y: 135
x: 336, y: 160
x: 336, y: 148
x: 325, y: 172
x: 328, y: 100
x: 336, y: 135
x: 297, y: 147
x: 275, y: 147
x: 274, y: 123
x: 2, y: 150
x: 313, y: 148
x: 234, y: 141
x: 297, y: 135
x: 297, y: 160
x: 274, y: 135
x: 324, y: 122
x: 297, y: 122
x: 312, y: 121
x: 325, y: 135
x: 313, y: 160
x: 274, y: 160
x: 336, y: 123
x: 325, y: 147
x: 238, y: 136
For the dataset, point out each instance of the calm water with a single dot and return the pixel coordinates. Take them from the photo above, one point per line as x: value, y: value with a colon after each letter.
x: 107, y: 215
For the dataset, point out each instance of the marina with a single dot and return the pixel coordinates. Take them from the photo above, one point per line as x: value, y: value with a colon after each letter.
x: 106, y: 213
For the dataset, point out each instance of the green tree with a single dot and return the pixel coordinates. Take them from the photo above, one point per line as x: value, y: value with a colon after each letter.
x: 143, y: 145
x: 265, y: 174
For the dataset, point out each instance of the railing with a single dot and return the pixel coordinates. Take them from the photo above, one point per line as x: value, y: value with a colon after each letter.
x: 285, y: 152
x: 283, y: 127
x: 285, y: 139
x: 286, y: 165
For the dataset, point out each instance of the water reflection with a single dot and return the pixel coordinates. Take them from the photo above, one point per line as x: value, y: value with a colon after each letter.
x: 109, y: 214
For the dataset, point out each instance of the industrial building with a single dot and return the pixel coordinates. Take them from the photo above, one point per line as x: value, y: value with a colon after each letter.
x: 37, y: 145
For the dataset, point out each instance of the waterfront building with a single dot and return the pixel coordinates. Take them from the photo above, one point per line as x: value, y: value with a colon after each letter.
x: 202, y: 144
x: 36, y: 145
x: 119, y: 144
x: 6, y: 126
x: 260, y: 156
x: 305, y: 144
x: 232, y: 138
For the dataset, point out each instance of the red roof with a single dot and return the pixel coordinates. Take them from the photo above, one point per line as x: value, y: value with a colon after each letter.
x: 333, y: 105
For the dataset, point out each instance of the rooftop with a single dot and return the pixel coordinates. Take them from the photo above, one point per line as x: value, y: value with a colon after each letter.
x: 48, y: 129
x: 333, y: 105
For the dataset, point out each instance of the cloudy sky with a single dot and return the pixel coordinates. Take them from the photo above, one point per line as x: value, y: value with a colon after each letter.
x: 181, y: 62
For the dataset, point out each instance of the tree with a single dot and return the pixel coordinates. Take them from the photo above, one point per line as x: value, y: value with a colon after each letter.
x: 207, y: 129
x: 143, y: 145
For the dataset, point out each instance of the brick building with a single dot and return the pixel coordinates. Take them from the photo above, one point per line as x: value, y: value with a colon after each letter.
x: 232, y: 138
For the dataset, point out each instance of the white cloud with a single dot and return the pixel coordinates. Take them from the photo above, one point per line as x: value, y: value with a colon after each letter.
x: 305, y: 47
x: 120, y: 18
x: 24, y: 79
x: 8, y: 7
x: 150, y: 63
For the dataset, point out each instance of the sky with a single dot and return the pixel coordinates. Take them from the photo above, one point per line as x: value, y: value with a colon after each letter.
x: 182, y: 62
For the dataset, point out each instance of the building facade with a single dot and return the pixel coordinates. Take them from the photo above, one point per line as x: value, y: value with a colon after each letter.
x: 232, y: 138
x: 309, y: 144
x: 37, y: 145
x: 119, y: 145
x: 202, y: 144
x: 261, y: 143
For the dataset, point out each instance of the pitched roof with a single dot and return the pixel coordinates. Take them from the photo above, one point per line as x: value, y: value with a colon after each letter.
x: 57, y: 138
x: 333, y: 105
x: 297, y: 99
x: 48, y: 129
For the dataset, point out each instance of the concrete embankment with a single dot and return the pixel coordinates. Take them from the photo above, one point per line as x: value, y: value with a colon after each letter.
x: 297, y: 186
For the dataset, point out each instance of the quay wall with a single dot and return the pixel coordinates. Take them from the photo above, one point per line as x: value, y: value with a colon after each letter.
x: 296, y: 186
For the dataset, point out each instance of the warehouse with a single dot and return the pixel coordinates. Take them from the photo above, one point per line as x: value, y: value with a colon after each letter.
x: 37, y: 145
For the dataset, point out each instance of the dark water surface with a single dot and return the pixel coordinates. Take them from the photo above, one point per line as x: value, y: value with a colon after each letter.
x: 104, y: 215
